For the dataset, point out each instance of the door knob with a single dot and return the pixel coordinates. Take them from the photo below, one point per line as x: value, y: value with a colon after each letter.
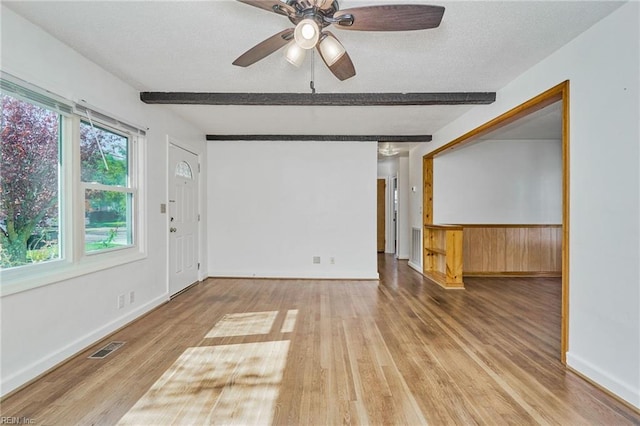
x: 172, y: 229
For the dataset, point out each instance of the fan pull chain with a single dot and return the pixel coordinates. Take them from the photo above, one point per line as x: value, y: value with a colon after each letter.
x: 312, y: 82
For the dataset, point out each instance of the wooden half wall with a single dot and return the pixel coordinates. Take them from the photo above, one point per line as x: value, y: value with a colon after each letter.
x: 521, y: 250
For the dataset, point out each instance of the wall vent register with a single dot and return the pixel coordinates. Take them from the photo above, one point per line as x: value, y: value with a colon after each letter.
x: 107, y: 350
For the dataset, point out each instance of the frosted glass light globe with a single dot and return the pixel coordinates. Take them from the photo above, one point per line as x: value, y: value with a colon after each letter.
x: 307, y: 33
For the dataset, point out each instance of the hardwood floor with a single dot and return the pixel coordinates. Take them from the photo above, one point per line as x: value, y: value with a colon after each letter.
x: 401, y: 351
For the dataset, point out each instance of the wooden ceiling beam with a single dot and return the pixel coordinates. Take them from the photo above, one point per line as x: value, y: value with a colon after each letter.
x: 323, y: 138
x: 318, y: 99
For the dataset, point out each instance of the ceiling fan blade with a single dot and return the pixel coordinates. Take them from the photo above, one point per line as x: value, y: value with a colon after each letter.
x: 269, y: 5
x: 391, y: 17
x: 343, y: 68
x: 264, y: 48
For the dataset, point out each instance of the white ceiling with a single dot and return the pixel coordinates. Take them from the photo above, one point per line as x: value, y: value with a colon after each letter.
x: 189, y: 46
x: 545, y: 123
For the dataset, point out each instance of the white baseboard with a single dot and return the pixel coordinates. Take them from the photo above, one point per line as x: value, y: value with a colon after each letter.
x: 625, y: 391
x: 414, y: 266
x: 320, y: 275
x: 15, y: 380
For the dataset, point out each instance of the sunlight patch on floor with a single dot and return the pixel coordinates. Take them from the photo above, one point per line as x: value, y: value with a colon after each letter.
x: 289, y: 321
x: 245, y: 324
x: 227, y: 384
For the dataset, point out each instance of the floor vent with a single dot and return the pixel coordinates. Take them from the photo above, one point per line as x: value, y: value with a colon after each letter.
x: 416, y: 245
x: 111, y: 347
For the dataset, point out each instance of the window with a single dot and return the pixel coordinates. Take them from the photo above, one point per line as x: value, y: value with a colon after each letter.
x: 69, y: 195
x: 108, y: 190
x: 183, y: 169
x: 29, y: 183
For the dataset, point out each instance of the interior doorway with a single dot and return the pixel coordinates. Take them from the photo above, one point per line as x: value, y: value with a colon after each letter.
x: 559, y: 93
x: 394, y: 209
x: 381, y: 215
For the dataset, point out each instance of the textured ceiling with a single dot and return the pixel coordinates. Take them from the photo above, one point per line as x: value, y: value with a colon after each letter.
x: 545, y: 123
x: 189, y: 46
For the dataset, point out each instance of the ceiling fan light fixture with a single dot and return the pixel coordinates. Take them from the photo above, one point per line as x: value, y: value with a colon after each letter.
x: 307, y: 33
x: 331, y: 49
x: 388, y: 151
x: 311, y: 17
x: 294, y: 54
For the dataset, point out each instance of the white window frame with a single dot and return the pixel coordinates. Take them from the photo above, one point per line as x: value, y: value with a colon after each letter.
x: 74, y: 261
x: 130, y: 188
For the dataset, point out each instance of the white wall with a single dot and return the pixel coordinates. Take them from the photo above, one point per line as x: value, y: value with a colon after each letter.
x: 500, y: 181
x: 602, y: 65
x: 387, y: 167
x: 273, y: 206
x: 404, y: 192
x: 43, y: 326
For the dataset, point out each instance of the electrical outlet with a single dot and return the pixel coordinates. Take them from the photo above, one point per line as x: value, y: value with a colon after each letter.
x: 121, y: 301
x: 132, y: 296
x: 316, y: 259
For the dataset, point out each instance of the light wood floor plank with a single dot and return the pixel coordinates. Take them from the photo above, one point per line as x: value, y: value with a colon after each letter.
x: 401, y: 351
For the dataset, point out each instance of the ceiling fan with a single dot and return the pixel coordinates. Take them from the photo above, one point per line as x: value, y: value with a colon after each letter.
x: 312, y: 17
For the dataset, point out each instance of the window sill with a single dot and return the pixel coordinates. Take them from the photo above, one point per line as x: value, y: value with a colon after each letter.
x: 33, y: 276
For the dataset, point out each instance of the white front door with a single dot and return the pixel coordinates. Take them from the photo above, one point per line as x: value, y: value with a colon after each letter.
x: 183, y: 219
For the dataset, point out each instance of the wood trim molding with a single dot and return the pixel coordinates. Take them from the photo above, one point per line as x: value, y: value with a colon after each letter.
x: 427, y: 199
x: 557, y: 93
x: 444, y: 227
x: 321, y: 99
x: 527, y: 274
x: 564, y: 339
x: 510, y: 225
x: 323, y: 138
x: 544, y: 99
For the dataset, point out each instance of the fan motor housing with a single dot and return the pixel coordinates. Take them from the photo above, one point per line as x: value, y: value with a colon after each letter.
x: 323, y: 17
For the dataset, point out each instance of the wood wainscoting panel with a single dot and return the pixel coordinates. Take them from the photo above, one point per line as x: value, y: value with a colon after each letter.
x: 520, y: 249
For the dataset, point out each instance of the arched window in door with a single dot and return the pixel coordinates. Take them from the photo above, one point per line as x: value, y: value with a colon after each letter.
x: 183, y: 169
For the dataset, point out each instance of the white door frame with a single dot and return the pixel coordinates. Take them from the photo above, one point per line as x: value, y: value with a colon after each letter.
x: 390, y: 229
x: 172, y: 141
x: 395, y: 208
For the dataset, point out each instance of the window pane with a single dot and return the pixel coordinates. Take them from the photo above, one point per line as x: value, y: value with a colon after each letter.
x: 108, y: 223
x: 103, y: 156
x: 29, y: 181
x: 183, y: 169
